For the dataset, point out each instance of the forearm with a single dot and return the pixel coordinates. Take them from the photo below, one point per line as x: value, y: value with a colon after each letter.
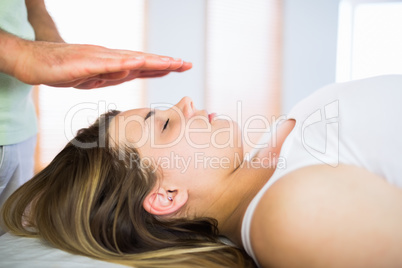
x: 43, y: 24
x: 10, y: 47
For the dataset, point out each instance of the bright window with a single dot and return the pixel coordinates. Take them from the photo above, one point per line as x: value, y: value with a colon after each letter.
x: 243, y: 58
x: 370, y: 38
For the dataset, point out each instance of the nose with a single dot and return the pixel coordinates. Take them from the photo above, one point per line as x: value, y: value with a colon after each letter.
x: 186, y: 106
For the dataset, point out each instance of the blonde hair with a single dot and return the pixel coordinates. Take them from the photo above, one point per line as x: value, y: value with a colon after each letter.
x: 88, y: 201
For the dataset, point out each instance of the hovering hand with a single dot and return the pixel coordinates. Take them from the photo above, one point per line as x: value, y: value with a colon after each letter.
x: 86, y: 66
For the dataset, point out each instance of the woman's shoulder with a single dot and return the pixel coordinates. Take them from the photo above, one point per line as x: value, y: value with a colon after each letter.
x: 320, y: 214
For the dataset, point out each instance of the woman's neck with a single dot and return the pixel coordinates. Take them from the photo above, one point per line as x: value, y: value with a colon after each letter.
x: 244, y: 184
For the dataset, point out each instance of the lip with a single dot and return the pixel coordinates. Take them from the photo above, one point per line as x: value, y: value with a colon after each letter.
x: 211, y: 117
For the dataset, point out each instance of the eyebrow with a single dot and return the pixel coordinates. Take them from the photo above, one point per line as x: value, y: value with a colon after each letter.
x: 149, y: 114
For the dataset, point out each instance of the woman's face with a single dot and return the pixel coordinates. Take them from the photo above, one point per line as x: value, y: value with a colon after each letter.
x: 187, y: 145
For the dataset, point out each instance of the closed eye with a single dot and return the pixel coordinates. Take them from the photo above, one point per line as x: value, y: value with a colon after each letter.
x: 164, y: 127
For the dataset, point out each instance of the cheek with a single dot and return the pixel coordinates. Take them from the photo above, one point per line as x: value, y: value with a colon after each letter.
x: 175, y: 160
x: 224, y: 153
x: 201, y: 154
x: 228, y: 145
x: 226, y: 134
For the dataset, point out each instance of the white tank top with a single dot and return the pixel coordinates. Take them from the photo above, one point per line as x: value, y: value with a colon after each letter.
x: 357, y: 123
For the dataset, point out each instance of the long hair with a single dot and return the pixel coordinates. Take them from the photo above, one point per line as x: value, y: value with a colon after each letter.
x: 88, y: 201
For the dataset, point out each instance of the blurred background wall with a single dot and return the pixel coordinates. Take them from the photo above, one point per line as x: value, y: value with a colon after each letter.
x: 257, y: 57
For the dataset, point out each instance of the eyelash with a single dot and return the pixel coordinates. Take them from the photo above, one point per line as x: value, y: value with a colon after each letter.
x: 164, y: 127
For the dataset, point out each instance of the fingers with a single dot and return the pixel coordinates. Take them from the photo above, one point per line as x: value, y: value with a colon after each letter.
x: 155, y: 62
x: 73, y: 83
x: 153, y: 74
x: 186, y: 66
x: 97, y: 82
x: 160, y: 62
x: 151, y: 61
x: 114, y: 76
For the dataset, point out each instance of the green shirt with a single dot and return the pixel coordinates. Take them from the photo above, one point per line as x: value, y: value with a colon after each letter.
x: 17, y: 111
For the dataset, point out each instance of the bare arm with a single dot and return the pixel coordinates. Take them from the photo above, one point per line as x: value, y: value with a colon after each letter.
x: 329, y: 217
x: 42, y: 23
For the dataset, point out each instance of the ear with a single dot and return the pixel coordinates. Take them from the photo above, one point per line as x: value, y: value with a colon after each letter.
x: 158, y: 203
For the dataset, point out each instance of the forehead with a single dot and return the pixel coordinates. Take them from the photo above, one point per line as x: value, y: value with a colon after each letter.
x: 127, y: 125
x: 139, y: 112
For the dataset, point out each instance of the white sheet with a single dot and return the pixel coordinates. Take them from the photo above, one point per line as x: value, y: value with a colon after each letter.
x: 21, y: 252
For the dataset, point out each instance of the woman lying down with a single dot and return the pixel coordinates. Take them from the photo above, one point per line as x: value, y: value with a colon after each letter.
x: 157, y: 188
